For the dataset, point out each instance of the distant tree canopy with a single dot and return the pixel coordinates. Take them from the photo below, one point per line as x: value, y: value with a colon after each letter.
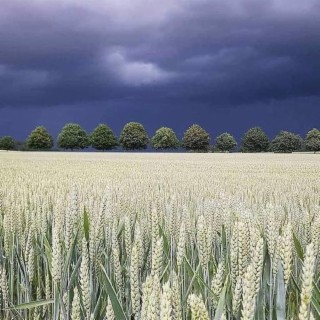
x: 103, y: 138
x: 164, y: 138
x: 72, y: 136
x: 226, y: 142
x: 39, y: 139
x: 255, y: 140
x: 7, y: 143
x: 312, y: 141
x: 134, y: 137
x: 196, y: 139
x: 286, y: 142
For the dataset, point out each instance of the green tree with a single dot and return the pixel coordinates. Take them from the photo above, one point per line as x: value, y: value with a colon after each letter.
x: 286, y: 142
x: 165, y: 138
x: 72, y: 136
x: 6, y: 143
x: 226, y: 142
x: 255, y: 140
x: 40, y: 139
x: 312, y: 140
x: 103, y: 138
x: 134, y: 137
x: 196, y: 139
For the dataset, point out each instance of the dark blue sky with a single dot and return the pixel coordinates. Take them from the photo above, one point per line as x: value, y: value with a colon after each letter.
x: 226, y: 65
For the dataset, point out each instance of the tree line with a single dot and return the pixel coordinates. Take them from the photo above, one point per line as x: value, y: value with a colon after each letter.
x: 134, y: 137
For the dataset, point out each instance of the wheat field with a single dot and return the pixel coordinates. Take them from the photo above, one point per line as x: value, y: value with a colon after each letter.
x: 159, y: 236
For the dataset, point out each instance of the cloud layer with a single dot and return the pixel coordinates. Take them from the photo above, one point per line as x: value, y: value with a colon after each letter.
x: 211, y: 53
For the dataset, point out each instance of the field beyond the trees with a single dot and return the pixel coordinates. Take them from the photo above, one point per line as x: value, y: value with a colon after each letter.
x: 159, y: 236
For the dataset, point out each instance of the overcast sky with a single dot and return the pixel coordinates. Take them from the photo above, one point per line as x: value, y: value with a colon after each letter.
x: 227, y: 65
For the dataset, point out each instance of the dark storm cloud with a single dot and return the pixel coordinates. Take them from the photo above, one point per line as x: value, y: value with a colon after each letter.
x: 170, y: 55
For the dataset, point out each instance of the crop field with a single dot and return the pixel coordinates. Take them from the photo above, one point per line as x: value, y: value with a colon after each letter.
x: 159, y: 236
